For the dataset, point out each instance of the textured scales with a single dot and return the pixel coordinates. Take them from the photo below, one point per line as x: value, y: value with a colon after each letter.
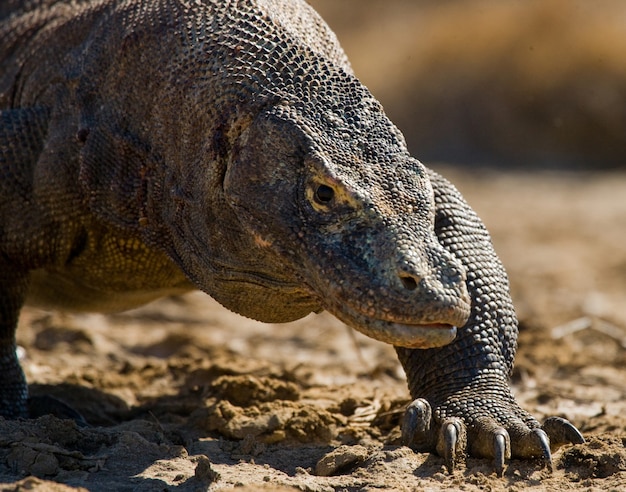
x: 152, y: 147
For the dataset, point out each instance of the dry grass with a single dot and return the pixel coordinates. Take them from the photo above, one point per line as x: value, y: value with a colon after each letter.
x: 533, y: 82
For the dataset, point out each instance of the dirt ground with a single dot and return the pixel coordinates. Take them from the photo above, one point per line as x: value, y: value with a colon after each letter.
x: 183, y: 395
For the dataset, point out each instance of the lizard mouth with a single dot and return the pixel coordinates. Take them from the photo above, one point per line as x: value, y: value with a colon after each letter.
x: 417, y: 336
x: 400, y: 334
x: 420, y: 336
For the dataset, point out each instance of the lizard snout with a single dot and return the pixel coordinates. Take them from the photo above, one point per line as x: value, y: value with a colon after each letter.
x: 437, y: 285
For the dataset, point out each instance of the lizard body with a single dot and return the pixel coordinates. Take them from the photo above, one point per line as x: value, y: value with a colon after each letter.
x: 152, y: 147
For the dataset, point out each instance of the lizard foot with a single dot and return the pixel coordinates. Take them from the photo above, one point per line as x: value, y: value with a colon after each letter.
x: 453, y: 437
x: 48, y: 405
x: 14, y: 399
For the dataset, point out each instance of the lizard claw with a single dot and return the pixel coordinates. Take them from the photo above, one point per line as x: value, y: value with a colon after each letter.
x: 450, y: 438
x: 501, y: 449
x: 544, y: 446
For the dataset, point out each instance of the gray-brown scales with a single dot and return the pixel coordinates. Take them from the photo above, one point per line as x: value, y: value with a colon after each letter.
x: 152, y: 147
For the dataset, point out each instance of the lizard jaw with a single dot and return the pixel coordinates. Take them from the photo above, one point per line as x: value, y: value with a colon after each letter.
x: 414, y: 336
x: 418, y: 336
x: 431, y: 331
x: 421, y: 336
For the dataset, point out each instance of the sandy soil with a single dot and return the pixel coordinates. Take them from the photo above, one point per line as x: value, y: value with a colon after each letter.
x: 183, y: 395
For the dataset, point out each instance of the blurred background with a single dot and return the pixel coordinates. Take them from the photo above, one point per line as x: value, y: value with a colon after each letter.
x: 507, y: 83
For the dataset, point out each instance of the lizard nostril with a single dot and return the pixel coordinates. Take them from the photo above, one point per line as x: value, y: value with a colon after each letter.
x: 409, y: 282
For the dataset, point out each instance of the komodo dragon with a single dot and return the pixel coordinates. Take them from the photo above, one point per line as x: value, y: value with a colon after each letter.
x: 152, y: 147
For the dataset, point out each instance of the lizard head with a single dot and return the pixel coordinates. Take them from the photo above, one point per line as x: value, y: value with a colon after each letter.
x: 350, y: 216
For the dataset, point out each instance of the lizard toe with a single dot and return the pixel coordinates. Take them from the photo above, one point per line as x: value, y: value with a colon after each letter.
x: 421, y: 433
x: 452, y: 442
x: 561, y: 431
x: 533, y: 443
x: 416, y: 430
x: 542, y: 441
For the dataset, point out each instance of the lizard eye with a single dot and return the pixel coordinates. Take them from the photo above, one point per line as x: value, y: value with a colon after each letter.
x: 324, y: 194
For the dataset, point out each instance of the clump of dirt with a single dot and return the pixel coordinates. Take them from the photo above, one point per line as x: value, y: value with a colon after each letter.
x: 600, y: 458
x: 270, y: 423
x: 245, y: 390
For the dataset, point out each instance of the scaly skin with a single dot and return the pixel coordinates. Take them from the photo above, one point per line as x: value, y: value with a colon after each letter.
x: 148, y: 148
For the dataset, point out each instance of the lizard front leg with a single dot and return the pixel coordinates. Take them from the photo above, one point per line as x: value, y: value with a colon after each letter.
x: 22, y: 134
x: 13, y: 388
x: 463, y: 401
x: 25, y: 245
